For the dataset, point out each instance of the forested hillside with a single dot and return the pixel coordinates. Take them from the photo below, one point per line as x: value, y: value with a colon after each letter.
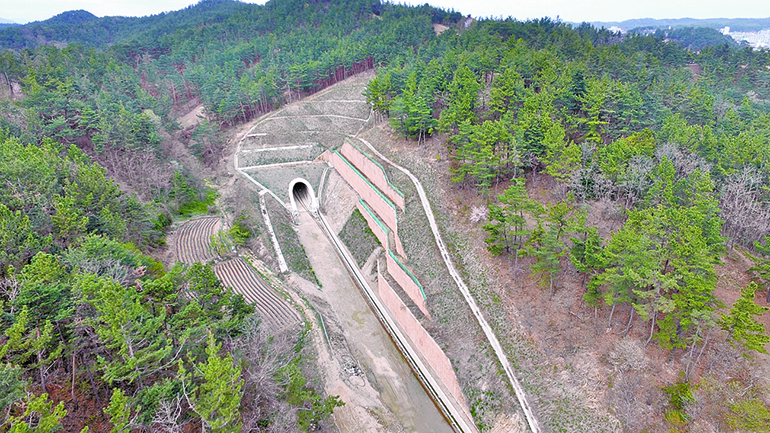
x: 675, y: 141
x: 96, y: 332
x: 95, y: 167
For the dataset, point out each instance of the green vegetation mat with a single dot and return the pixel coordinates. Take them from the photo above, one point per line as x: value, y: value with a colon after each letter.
x: 358, y: 237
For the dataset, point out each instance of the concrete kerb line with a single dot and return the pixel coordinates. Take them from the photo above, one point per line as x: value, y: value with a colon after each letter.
x: 264, y: 190
x: 454, y: 414
x: 271, y: 149
x: 321, y: 186
x: 279, y: 164
x: 366, y: 122
x: 305, y: 116
x: 496, y: 346
x: 281, y: 260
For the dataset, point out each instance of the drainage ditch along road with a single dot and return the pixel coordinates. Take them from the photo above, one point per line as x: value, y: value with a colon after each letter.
x: 453, y: 414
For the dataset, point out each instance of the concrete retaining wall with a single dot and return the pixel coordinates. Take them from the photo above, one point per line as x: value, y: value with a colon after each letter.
x: 371, y: 195
x: 407, y: 281
x: 423, y: 342
x: 396, y: 269
x: 379, y: 229
x: 373, y: 171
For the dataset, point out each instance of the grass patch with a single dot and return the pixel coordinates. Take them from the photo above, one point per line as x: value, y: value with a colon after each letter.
x: 359, y: 238
x: 293, y: 251
x: 198, y: 207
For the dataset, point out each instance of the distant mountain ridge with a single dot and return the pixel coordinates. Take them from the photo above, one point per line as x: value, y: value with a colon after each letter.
x: 83, y: 27
x: 735, y: 24
x: 71, y: 18
x: 5, y: 21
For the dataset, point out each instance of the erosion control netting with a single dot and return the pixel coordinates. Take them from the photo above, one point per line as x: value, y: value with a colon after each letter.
x: 344, y: 108
x: 294, y: 153
x: 350, y: 91
x: 285, y: 126
x: 283, y: 136
x: 325, y: 118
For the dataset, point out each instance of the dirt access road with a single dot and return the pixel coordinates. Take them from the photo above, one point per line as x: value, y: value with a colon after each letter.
x: 389, y: 380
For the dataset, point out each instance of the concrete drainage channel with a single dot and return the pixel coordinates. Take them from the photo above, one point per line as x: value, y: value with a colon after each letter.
x: 454, y: 416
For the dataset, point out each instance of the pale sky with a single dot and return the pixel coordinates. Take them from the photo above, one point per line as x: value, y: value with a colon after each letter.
x: 23, y: 11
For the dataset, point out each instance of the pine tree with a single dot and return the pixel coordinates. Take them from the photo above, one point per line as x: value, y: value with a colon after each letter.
x: 587, y: 251
x: 128, y: 326
x: 561, y: 158
x: 742, y: 328
x: 39, y: 416
x: 507, y: 229
x: 547, y: 248
x: 217, y: 398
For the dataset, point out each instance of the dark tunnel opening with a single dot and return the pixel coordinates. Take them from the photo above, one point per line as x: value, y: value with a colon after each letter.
x: 301, y: 195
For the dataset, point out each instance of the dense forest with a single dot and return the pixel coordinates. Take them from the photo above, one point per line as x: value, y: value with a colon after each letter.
x: 676, y: 139
x: 676, y: 135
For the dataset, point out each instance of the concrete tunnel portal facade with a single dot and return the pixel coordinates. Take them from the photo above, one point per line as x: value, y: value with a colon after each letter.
x: 300, y: 190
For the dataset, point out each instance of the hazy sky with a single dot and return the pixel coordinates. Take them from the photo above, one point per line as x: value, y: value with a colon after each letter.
x: 23, y: 11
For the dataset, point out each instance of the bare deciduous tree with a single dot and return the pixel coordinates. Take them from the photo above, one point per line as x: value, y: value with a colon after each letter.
x: 264, y: 355
x: 746, y: 219
x: 166, y: 418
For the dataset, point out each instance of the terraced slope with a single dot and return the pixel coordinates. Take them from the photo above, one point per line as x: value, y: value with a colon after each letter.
x: 194, y: 245
x: 273, y: 310
x: 194, y: 240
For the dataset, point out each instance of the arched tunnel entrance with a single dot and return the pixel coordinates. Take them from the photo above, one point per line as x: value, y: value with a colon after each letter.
x: 302, y: 196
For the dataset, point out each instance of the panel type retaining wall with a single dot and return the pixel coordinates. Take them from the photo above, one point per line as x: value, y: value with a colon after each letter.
x: 424, y: 343
x: 371, y: 195
x: 373, y: 171
x: 407, y: 281
x: 379, y: 230
x: 396, y: 269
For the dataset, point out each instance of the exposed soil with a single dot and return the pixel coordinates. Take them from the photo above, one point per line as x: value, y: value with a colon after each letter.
x: 358, y: 361
x: 439, y: 28
x: 192, y: 118
x: 388, y: 382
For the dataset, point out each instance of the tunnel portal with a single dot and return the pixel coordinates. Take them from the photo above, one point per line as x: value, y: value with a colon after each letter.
x: 302, y: 196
